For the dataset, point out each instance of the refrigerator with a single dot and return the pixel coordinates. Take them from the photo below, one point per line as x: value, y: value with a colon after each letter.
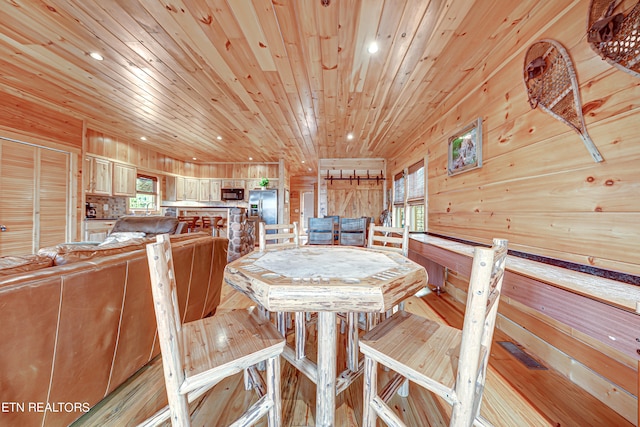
x: 263, y: 206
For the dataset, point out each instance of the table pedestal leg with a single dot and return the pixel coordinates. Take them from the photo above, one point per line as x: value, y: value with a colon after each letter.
x: 326, y: 385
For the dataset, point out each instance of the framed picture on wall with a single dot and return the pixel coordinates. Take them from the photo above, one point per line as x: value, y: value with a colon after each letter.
x: 465, y: 149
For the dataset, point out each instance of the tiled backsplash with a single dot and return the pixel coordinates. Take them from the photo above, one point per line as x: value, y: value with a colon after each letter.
x: 117, y: 206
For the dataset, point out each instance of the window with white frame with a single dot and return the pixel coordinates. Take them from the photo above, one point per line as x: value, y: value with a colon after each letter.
x: 416, y: 197
x: 146, y: 194
x: 397, y: 216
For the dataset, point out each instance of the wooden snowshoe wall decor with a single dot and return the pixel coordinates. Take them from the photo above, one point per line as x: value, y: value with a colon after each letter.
x: 615, y: 35
x: 552, y: 85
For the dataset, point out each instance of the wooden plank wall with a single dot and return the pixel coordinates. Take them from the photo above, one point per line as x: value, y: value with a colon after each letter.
x: 538, y: 186
x: 27, y: 121
x: 117, y: 149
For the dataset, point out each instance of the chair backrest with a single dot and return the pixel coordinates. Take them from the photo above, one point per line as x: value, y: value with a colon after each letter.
x: 353, y: 231
x: 483, y: 295
x: 320, y: 231
x: 336, y: 225
x: 165, y: 298
x: 389, y: 238
x: 190, y: 220
x: 284, y: 235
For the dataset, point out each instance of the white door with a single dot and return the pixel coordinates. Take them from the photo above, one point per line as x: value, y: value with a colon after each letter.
x: 307, y: 209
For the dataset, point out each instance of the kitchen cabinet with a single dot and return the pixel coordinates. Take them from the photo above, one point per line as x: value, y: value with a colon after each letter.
x: 180, y: 193
x: 170, y: 189
x: 98, y: 173
x: 191, y: 189
x: 232, y: 183
x: 96, y: 230
x: 209, y: 190
x: 124, y: 180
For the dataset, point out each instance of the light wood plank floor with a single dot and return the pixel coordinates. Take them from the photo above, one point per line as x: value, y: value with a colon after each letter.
x: 514, y: 396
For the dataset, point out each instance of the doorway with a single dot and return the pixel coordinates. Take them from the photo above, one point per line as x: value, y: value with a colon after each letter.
x: 34, y: 183
x: 307, y: 210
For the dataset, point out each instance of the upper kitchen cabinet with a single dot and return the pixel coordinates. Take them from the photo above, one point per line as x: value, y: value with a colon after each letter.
x: 124, y: 180
x: 210, y: 190
x: 233, y: 183
x: 98, y: 176
x: 191, y: 189
x: 174, y: 188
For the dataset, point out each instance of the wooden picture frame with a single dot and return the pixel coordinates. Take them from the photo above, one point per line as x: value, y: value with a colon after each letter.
x: 465, y: 149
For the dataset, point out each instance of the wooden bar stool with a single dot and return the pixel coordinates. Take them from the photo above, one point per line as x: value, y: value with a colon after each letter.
x: 453, y: 363
x: 199, y: 354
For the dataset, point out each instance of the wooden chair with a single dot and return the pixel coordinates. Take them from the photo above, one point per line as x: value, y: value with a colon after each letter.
x: 389, y: 238
x: 320, y: 231
x: 197, y: 355
x: 191, y: 222
x: 353, y: 231
x: 393, y: 239
x: 336, y: 227
x: 284, y: 235
x: 219, y: 225
x: 447, y: 361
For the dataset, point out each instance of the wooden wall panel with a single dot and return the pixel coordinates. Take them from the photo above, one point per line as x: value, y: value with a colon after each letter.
x: 538, y: 186
x: 353, y: 200
x: 33, y: 120
x: 120, y: 150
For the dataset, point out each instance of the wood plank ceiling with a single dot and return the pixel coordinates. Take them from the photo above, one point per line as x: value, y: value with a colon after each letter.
x: 274, y: 79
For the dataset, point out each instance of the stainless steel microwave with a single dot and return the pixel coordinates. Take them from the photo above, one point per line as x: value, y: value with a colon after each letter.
x: 232, y: 194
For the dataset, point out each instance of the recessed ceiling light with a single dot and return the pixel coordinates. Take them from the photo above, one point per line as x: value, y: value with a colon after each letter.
x: 303, y: 161
x: 250, y: 158
x: 310, y: 169
x: 219, y: 138
x: 350, y: 136
x: 373, y: 47
x: 194, y: 158
x: 144, y: 138
x: 96, y: 56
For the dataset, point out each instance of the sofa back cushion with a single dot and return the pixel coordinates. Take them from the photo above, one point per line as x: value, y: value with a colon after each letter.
x: 20, y: 264
x: 150, y: 225
x: 69, y: 253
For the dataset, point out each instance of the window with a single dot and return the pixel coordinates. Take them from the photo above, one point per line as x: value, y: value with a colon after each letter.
x: 416, y: 181
x: 146, y: 194
x: 397, y: 217
x: 415, y: 197
x: 398, y: 188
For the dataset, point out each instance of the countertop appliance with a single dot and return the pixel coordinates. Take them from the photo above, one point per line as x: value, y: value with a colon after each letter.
x: 232, y: 193
x: 90, y: 211
x: 263, y: 206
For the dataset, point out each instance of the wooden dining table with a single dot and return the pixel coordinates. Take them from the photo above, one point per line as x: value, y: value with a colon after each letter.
x: 327, y: 280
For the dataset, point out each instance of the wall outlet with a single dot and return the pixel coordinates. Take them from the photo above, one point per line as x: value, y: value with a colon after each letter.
x: 105, y: 207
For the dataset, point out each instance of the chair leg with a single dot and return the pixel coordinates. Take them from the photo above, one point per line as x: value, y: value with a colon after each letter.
x: 370, y: 391
x: 274, y: 417
x: 281, y: 323
x: 353, y: 352
x: 300, y: 334
x: 179, y: 409
x: 248, y: 385
x: 403, y: 391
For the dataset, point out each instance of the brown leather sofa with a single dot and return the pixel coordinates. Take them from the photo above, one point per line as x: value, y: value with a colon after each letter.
x: 72, y: 333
